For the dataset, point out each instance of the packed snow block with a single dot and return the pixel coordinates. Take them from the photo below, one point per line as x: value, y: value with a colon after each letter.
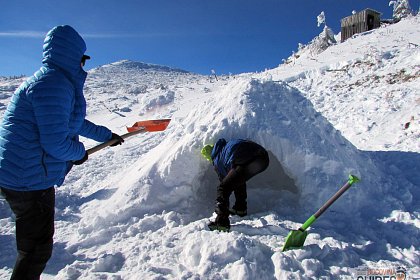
x: 230, y: 254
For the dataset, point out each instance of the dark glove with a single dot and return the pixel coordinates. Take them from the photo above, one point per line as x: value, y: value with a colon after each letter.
x: 119, y: 139
x: 82, y: 160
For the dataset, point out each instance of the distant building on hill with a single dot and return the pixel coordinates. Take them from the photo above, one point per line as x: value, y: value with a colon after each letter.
x: 363, y: 21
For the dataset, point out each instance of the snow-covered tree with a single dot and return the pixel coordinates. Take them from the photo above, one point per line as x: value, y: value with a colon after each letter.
x: 321, y: 19
x: 401, y: 9
x: 323, y: 41
x: 319, y: 44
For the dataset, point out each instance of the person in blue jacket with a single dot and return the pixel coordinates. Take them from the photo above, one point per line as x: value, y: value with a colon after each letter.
x: 39, y: 144
x: 235, y: 162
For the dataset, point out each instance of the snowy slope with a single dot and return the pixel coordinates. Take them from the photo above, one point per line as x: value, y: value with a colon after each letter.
x: 139, y: 210
x: 371, y: 80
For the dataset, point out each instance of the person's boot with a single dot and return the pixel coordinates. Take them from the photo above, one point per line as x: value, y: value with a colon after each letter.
x: 238, y: 211
x: 221, y: 223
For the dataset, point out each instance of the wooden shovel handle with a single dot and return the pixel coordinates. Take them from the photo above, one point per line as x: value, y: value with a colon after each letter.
x: 138, y: 127
x: 113, y: 141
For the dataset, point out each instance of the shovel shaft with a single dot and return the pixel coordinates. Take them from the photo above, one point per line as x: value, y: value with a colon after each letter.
x: 332, y: 199
x: 308, y: 223
x: 113, y: 141
x: 352, y: 179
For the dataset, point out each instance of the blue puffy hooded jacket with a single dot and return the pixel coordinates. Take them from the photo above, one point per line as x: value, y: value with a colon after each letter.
x: 226, y: 155
x: 45, y: 116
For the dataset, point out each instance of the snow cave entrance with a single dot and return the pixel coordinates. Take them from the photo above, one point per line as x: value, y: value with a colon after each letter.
x: 266, y: 191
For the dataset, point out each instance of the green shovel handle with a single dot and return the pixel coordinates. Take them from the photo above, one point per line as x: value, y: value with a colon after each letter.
x: 352, y: 179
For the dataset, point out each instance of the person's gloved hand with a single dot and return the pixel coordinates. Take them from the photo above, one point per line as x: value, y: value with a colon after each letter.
x: 82, y: 160
x: 119, y: 139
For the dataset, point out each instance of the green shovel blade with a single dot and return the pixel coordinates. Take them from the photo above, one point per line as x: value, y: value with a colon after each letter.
x: 294, y: 240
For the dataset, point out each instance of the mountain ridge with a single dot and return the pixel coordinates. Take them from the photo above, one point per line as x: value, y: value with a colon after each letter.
x: 127, y: 64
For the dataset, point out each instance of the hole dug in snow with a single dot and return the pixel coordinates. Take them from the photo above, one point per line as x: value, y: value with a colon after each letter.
x: 267, y: 191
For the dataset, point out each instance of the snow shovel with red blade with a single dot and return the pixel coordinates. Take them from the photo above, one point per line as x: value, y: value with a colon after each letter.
x: 138, y: 127
x: 296, y: 238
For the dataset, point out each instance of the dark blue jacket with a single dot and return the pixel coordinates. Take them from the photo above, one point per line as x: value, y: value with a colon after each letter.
x: 45, y: 116
x: 226, y: 155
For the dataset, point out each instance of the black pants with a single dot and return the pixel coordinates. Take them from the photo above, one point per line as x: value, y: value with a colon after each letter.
x: 34, y: 211
x: 235, y: 181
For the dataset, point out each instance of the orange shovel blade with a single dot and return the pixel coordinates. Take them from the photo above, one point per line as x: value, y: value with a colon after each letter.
x: 150, y: 125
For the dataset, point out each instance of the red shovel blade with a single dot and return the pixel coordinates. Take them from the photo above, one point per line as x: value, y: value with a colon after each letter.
x: 150, y: 125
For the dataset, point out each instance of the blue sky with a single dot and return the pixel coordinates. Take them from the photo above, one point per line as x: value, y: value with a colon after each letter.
x: 229, y: 36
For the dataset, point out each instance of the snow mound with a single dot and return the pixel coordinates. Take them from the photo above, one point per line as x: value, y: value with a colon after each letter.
x: 309, y: 159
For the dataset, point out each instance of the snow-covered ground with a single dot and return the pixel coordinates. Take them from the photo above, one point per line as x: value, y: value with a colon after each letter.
x: 140, y: 210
